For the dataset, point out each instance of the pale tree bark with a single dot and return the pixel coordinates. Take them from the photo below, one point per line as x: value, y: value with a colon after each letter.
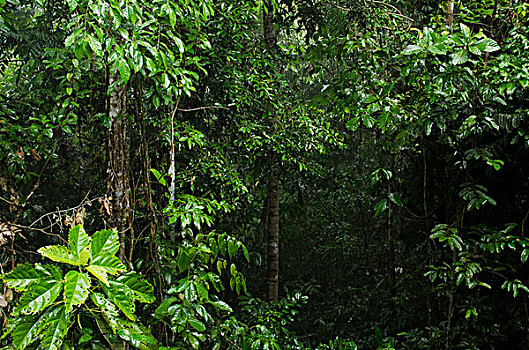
x: 273, y: 240
x: 119, y: 165
x: 449, y: 4
x: 272, y: 275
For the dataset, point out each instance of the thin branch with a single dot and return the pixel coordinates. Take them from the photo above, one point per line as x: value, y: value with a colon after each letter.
x: 199, y: 108
x: 83, y: 202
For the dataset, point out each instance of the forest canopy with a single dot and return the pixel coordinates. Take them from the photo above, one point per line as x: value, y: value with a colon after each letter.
x: 264, y: 174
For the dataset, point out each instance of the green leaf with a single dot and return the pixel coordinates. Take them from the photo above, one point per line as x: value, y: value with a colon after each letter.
x: 381, y: 206
x: 196, y: 324
x: 136, y: 284
x: 54, y: 329
x: 369, y: 99
x: 395, y: 199
x: 179, y: 44
x: 411, y: 49
x: 38, y: 297
x: 137, y: 335
x: 437, y: 49
x: 75, y: 289
x: 124, y: 71
x: 525, y: 255
x: 491, y: 45
x: 110, y: 313
x: 159, y: 177
x: 99, y: 272
x: 25, y: 330
x: 221, y: 305
x: 121, y: 298
x: 78, y: 240
x: 59, y: 253
x: 459, y: 57
x: 95, y: 45
x: 72, y: 4
x: 465, y: 30
x: 110, y: 263
x: 22, y: 276
x: 105, y: 241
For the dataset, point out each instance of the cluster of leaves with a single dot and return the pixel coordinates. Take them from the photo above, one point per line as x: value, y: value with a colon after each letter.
x: 54, y: 296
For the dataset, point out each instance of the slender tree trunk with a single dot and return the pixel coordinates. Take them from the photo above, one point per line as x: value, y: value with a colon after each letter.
x: 449, y: 12
x: 270, y: 39
x: 119, y: 165
x: 273, y: 240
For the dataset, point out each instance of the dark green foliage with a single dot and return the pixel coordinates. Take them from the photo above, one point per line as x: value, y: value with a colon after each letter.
x: 398, y: 134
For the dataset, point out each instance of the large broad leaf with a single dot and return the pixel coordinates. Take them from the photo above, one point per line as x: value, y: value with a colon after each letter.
x: 26, y: 329
x: 59, y: 253
x: 137, y: 335
x: 136, y: 284
x: 459, y: 57
x: 106, y: 242
x: 54, y: 328
x: 75, y: 289
x: 51, y: 271
x: 98, y: 272
x: 131, y: 332
x: 78, y: 240
x: 110, y: 263
x: 38, y: 297
x: 22, y: 276
x: 108, y: 309
x: 121, y: 298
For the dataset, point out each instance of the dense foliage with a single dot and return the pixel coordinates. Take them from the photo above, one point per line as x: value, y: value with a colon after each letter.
x: 264, y: 174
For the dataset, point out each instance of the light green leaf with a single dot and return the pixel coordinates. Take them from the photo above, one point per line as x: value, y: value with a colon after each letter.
x: 105, y: 241
x: 411, y: 49
x: 369, y: 99
x: 54, y: 329
x: 38, y: 297
x: 139, y: 288
x: 137, y: 335
x: 95, y: 45
x: 491, y: 45
x: 124, y: 71
x: 59, y: 253
x: 159, y: 177
x: 22, y: 276
x: 465, y: 30
x: 179, y: 44
x: 110, y: 313
x: 196, y: 324
x: 75, y: 289
x: 121, y: 298
x: 99, y: 272
x: 72, y: 4
x: 437, y: 49
x: 78, y: 240
x: 459, y: 57
x: 110, y: 263
x: 221, y: 305
x: 25, y: 330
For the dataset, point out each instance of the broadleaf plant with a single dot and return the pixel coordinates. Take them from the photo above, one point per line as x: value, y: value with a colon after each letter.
x: 56, y: 300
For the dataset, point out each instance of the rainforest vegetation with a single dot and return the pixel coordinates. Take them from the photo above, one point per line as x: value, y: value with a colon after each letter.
x: 264, y: 174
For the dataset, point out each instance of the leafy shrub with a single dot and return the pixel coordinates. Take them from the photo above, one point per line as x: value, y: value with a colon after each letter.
x: 88, y: 294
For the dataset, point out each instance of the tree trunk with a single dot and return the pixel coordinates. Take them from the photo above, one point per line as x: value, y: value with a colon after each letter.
x: 270, y: 39
x: 273, y: 240
x: 119, y: 165
x: 449, y: 12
